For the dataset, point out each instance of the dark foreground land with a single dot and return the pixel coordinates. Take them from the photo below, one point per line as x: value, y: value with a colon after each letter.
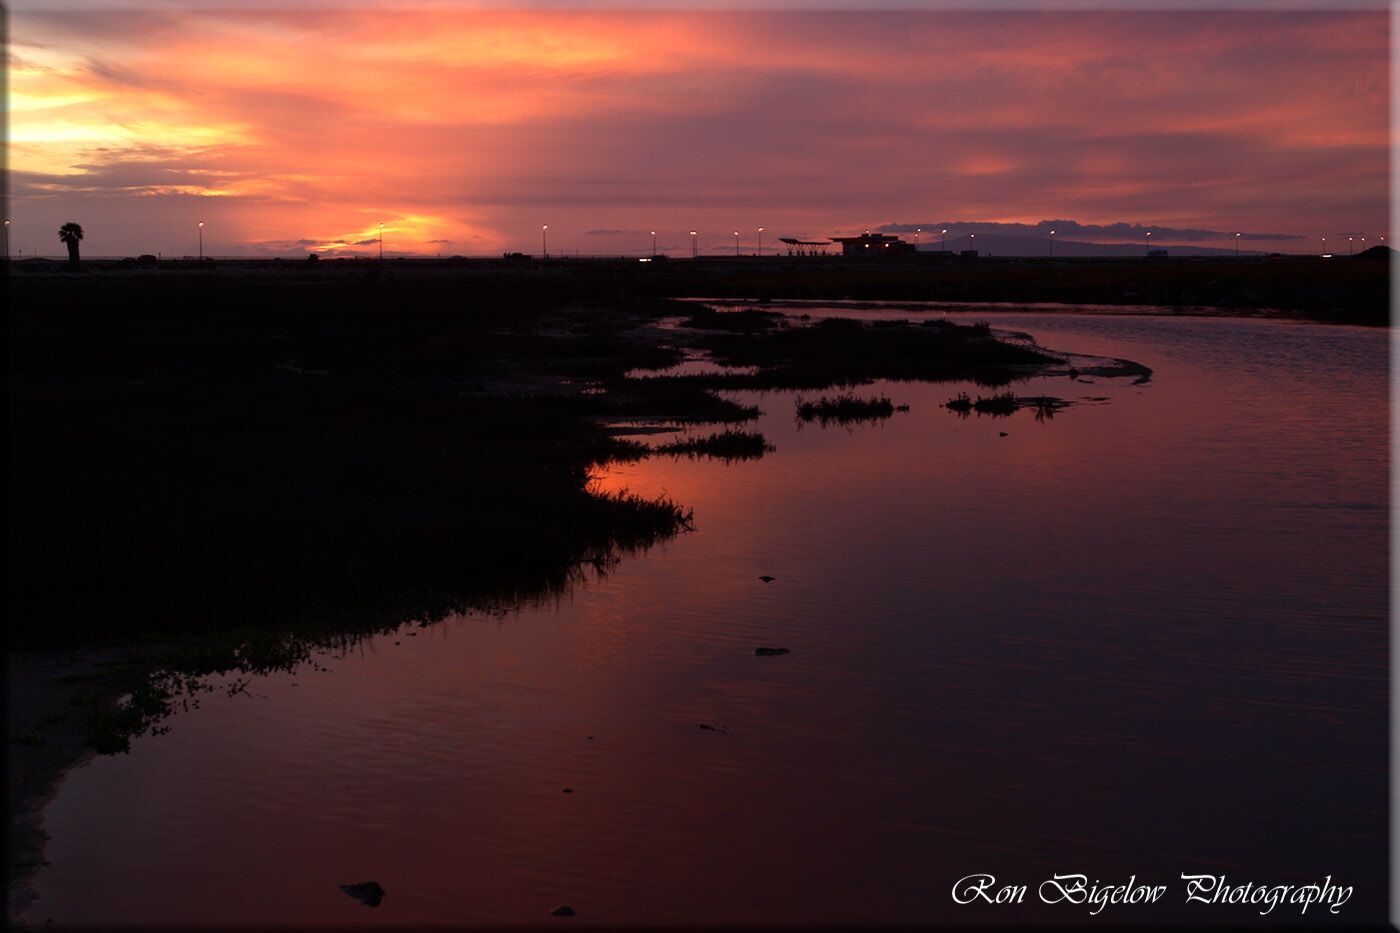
x: 238, y: 465
x: 226, y: 466
x: 1340, y: 289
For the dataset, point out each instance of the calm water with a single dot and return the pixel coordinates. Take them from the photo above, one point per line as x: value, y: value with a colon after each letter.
x: 1146, y: 637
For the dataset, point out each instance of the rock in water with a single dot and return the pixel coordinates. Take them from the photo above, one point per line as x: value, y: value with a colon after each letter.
x: 564, y: 911
x: 767, y: 579
x: 769, y: 652
x: 369, y: 893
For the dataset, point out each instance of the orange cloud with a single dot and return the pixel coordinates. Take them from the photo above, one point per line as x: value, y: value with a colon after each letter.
x: 475, y: 127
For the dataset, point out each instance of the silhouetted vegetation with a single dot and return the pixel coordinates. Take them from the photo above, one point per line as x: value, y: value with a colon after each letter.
x: 962, y: 402
x: 1043, y: 406
x: 246, y: 466
x: 723, y: 445
x: 844, y: 351
x: 71, y: 234
x: 845, y: 408
x: 1004, y: 404
x: 747, y: 320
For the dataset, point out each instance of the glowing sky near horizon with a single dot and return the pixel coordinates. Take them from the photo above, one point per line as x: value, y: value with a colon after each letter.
x: 464, y: 131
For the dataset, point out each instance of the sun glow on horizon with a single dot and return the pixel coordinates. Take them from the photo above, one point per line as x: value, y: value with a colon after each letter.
x: 459, y: 130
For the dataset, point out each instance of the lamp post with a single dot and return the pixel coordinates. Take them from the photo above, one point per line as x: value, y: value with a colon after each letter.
x: 736, y: 242
x: 381, y: 241
x: 1147, y: 244
x: 1237, y: 246
x: 1052, y: 244
x: 917, y: 231
x: 653, y: 244
x: 694, y: 246
x: 760, y: 242
x: 1349, y: 246
x: 7, y: 241
x: 943, y: 245
x: 544, y: 240
x: 1324, y: 244
x: 201, y: 239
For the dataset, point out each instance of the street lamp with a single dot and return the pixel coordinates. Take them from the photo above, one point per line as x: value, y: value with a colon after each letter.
x: 653, y: 244
x: 201, y: 238
x: 544, y: 240
x: 1324, y: 244
x: 694, y: 246
x: 7, y: 241
x: 1237, y: 246
x: 760, y: 242
x: 736, y: 242
x: 1147, y: 244
x: 917, y: 231
x: 1052, y: 244
x: 381, y: 241
x: 1349, y: 246
x: 944, y: 244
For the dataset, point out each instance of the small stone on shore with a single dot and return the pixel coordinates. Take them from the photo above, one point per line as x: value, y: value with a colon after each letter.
x: 767, y: 579
x: 769, y: 652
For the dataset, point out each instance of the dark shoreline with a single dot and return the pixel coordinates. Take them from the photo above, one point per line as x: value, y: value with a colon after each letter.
x: 1340, y: 289
x: 185, y: 428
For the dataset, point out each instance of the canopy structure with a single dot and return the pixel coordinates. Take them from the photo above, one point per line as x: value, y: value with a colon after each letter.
x: 805, y: 247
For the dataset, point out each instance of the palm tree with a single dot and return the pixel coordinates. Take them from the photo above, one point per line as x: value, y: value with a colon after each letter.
x: 70, y: 233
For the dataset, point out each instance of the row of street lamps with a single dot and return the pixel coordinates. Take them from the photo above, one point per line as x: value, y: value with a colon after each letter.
x: 1351, y: 244
x: 695, y: 243
x: 918, y: 232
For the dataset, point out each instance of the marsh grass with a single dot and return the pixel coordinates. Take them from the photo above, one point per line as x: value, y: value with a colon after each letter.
x: 747, y: 320
x: 728, y: 445
x: 999, y: 405
x: 253, y: 467
x: 1005, y: 404
x: 845, y: 408
x: 844, y: 351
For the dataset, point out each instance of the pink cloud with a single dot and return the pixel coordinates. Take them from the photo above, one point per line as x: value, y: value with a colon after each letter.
x: 478, y: 127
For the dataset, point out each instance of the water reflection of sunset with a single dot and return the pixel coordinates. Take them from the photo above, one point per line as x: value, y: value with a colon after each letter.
x: 1004, y: 650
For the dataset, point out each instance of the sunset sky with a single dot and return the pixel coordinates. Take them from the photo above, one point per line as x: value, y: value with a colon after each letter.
x: 463, y: 131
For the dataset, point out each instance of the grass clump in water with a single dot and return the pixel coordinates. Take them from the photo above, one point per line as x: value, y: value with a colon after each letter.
x: 1001, y: 404
x: 845, y: 409
x: 723, y: 445
x: 1004, y: 404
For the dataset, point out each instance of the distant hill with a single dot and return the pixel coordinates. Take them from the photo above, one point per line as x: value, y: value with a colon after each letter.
x: 1377, y: 252
x: 993, y: 244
